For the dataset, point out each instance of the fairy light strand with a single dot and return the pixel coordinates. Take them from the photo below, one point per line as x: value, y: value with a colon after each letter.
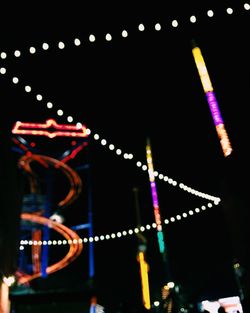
x: 119, y: 234
x: 77, y: 42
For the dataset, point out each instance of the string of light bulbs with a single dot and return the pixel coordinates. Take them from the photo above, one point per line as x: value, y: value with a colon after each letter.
x: 39, y: 97
x: 92, y: 38
x: 119, y: 234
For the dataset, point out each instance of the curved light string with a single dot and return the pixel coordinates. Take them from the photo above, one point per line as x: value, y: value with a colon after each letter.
x: 77, y: 42
x: 119, y: 234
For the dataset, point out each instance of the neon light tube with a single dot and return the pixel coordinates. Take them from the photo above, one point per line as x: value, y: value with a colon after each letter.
x: 50, y: 129
x: 157, y: 214
x: 212, y: 102
x: 144, y: 280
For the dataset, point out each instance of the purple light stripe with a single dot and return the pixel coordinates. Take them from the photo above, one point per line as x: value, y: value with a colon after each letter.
x: 214, y: 108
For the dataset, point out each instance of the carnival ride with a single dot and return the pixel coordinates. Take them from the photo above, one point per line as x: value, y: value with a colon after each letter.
x: 38, y: 216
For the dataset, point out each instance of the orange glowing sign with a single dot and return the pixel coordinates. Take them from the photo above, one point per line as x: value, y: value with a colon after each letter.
x: 50, y: 129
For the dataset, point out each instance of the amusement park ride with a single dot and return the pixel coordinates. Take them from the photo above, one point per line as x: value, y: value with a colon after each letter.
x: 42, y: 216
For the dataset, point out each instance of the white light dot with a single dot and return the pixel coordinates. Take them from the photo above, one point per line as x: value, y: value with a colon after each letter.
x: 17, y: 53
x: 39, y: 97
x: 49, y: 105
x: 77, y: 42
x: 3, y: 55
x: 124, y: 33
x: 229, y: 11
x: 91, y: 38
x: 157, y: 26
x: 2, y: 70
x: 108, y: 37
x: 118, y: 151
x: 144, y: 167
x: 32, y: 50
x: 60, y: 112
x: 61, y: 45
x: 15, y: 80
x: 45, y: 46
x: 96, y: 136
x: 210, y: 13
x: 192, y: 19
x: 156, y: 303
x: 174, y: 23
x: 103, y: 142
x: 70, y: 119
x: 111, y: 147
x: 27, y: 88
x: 247, y: 6
x: 141, y: 27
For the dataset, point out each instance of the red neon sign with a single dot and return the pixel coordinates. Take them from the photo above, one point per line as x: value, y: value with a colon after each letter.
x: 50, y: 129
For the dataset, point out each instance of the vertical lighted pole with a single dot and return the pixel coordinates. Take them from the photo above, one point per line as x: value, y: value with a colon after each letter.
x: 144, y: 268
x: 211, y: 99
x: 157, y: 214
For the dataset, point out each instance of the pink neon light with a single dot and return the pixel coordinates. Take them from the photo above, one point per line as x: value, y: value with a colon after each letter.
x: 214, y: 108
x: 74, y: 152
x: 39, y: 129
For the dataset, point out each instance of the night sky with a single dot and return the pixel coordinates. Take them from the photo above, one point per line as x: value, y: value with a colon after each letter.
x: 126, y: 90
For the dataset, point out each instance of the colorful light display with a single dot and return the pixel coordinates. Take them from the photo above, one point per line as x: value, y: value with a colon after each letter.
x: 144, y: 280
x: 212, y: 102
x: 141, y: 258
x: 157, y: 214
x: 75, y: 246
x: 40, y: 215
x: 50, y: 129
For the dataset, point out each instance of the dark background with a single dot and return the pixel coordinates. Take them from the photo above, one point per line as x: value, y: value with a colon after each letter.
x: 128, y: 90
